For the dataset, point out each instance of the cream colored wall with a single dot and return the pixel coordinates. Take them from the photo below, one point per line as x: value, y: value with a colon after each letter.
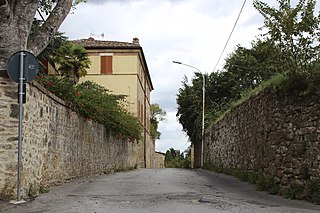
x: 121, y: 64
x: 120, y: 85
x: 95, y: 65
x: 127, y: 64
x: 51, y: 71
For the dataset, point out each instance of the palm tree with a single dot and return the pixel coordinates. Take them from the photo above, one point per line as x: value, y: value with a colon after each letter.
x: 73, y: 61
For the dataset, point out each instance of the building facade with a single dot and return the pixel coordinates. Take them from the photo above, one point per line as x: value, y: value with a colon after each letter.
x: 121, y: 68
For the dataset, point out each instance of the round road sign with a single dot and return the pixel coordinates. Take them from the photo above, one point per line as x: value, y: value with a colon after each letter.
x: 30, y: 66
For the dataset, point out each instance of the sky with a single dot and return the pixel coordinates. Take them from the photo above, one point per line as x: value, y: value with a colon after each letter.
x: 190, y: 31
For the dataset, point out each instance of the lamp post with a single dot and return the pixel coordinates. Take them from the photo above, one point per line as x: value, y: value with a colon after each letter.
x: 203, y: 102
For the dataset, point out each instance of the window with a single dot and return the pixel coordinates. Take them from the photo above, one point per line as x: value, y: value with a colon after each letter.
x: 106, y: 64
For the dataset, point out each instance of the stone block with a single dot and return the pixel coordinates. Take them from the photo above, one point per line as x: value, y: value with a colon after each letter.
x: 14, y: 110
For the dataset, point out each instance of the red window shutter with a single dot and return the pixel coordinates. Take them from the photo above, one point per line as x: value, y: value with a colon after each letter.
x: 106, y: 64
x: 44, y: 66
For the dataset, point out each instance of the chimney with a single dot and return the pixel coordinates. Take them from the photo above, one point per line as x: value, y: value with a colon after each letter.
x: 135, y: 41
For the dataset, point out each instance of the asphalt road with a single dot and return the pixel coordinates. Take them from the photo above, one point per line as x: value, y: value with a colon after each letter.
x: 159, y: 190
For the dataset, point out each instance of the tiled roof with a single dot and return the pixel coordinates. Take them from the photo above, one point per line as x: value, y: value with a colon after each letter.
x: 92, y: 43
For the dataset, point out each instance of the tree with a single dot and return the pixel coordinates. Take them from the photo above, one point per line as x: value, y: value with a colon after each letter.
x: 295, y: 30
x: 73, y: 61
x: 189, y: 109
x: 16, y: 21
x: 156, y: 115
x: 249, y: 67
x: 66, y: 58
x: 174, y: 159
x: 244, y: 69
x: 51, y: 52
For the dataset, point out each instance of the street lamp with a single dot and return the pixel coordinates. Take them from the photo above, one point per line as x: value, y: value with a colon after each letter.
x: 203, y: 102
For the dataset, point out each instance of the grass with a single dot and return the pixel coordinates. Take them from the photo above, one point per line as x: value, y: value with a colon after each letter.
x: 275, y: 82
x: 309, y: 191
x: 262, y: 182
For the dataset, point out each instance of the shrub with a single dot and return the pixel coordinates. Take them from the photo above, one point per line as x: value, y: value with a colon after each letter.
x: 295, y: 191
x: 313, y: 189
x: 97, y: 103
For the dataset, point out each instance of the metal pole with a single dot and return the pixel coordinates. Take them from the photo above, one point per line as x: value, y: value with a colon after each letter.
x: 145, y: 121
x: 203, y: 102
x: 21, y: 79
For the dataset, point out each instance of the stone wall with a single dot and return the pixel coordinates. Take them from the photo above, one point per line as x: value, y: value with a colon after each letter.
x: 145, y: 158
x: 8, y: 135
x: 58, y: 144
x: 274, y: 134
x: 150, y: 152
x: 159, y: 160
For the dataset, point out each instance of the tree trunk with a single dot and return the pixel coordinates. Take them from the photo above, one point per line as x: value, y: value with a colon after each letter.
x: 16, y: 17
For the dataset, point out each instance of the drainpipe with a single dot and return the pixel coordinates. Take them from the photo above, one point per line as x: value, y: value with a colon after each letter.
x: 145, y: 122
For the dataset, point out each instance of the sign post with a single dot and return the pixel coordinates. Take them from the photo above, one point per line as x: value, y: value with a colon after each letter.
x: 21, y: 80
x: 22, y: 67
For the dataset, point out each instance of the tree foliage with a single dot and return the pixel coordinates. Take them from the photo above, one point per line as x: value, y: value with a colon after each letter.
x: 95, y: 102
x: 51, y: 52
x: 66, y: 58
x: 174, y: 159
x: 290, y: 47
x: 189, y: 111
x: 16, y: 18
x: 295, y: 30
x: 244, y: 69
x: 73, y: 61
x: 156, y: 115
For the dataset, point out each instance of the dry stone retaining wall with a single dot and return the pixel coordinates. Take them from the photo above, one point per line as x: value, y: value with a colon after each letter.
x: 159, y: 160
x: 273, y: 134
x: 58, y: 144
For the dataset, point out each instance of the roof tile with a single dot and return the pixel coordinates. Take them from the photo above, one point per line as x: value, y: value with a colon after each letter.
x: 92, y: 43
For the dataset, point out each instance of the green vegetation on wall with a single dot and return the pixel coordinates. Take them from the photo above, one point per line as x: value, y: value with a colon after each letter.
x: 310, y: 191
x: 95, y: 102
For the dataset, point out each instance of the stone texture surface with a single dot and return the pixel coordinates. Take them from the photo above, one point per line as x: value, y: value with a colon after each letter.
x: 58, y: 144
x: 159, y: 160
x: 274, y: 134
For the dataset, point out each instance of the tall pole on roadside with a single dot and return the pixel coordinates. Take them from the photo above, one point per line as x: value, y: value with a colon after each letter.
x: 21, y: 81
x: 23, y: 67
x: 203, y: 105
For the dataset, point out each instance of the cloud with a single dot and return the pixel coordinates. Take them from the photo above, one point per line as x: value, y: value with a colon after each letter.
x: 99, y: 2
x: 171, y: 135
x: 193, y: 32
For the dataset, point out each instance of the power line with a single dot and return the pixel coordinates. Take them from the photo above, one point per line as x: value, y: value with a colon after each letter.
x: 225, y: 46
